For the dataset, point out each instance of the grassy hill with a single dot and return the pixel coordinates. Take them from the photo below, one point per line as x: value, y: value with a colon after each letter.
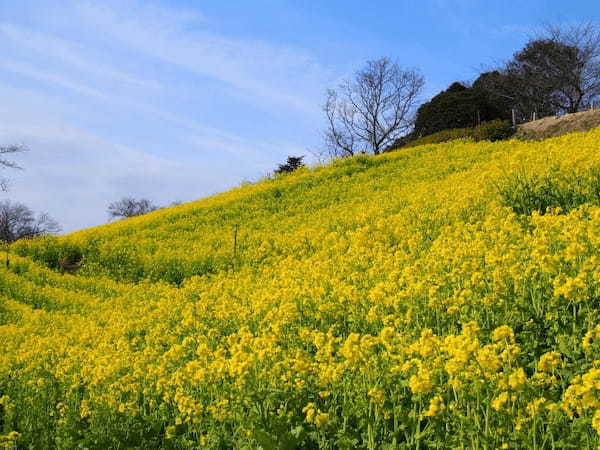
x: 556, y: 126
x: 445, y: 296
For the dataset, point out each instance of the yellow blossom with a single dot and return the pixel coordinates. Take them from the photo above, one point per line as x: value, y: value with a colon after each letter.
x: 436, y: 406
x: 517, y: 379
x: 322, y: 419
x: 420, y: 383
x: 549, y: 361
x: 377, y: 395
x: 499, y: 402
x: 503, y: 333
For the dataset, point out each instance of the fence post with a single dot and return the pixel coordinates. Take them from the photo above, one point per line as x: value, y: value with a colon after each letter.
x: 514, y: 121
x: 235, y: 233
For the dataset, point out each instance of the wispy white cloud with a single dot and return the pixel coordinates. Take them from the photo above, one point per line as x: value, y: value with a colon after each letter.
x: 256, y: 70
x: 31, y: 71
x: 70, y: 53
x: 203, y: 135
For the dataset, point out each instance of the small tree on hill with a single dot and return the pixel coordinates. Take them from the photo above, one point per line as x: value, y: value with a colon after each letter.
x: 130, y: 207
x: 17, y: 221
x: 558, y: 71
x: 367, y: 113
x: 292, y: 163
x: 576, y: 69
x: 537, y: 73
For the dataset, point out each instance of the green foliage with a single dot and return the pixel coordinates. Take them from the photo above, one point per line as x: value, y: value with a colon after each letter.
x: 565, y: 191
x: 49, y: 250
x: 458, y: 107
x: 494, y: 130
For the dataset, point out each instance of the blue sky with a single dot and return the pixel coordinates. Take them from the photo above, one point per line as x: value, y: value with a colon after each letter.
x: 179, y: 99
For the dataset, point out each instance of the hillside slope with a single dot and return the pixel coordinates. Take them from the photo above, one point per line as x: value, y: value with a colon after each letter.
x: 557, y: 126
x: 443, y: 296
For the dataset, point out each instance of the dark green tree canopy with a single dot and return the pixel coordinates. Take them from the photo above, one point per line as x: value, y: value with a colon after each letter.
x: 458, y: 106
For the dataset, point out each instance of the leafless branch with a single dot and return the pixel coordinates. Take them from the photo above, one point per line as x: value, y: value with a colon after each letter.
x: 557, y: 71
x: 8, y: 164
x: 129, y: 207
x: 367, y: 113
x: 17, y: 221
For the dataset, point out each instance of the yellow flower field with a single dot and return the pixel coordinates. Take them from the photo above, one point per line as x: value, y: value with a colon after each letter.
x: 443, y: 296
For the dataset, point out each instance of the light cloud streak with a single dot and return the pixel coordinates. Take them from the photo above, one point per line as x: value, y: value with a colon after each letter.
x: 258, y: 71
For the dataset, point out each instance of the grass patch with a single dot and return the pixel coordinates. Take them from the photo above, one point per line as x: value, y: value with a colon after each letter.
x: 556, y: 190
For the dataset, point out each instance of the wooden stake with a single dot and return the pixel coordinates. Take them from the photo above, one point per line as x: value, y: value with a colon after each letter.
x: 235, y: 233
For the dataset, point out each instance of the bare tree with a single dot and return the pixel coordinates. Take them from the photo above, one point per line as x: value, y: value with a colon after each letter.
x: 367, y: 113
x: 6, y: 163
x: 578, y: 74
x: 129, y: 207
x: 17, y: 221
